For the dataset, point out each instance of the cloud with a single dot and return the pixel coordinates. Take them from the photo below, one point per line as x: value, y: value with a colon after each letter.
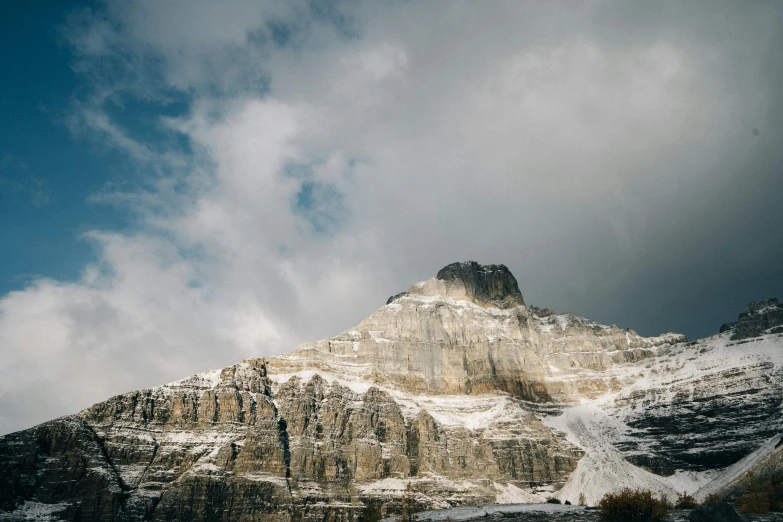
x: 604, y: 152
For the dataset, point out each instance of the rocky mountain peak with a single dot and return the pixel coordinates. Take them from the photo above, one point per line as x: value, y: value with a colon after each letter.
x: 454, y: 388
x: 760, y: 307
x: 757, y: 318
x: 489, y: 283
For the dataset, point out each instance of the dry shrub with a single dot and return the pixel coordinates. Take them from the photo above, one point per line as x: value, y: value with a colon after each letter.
x: 712, y: 497
x: 753, y: 503
x: 633, y: 505
x: 553, y: 500
x: 763, y: 495
x: 685, y: 501
x: 582, y: 499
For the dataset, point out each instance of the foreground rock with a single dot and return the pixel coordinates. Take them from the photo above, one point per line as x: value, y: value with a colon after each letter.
x: 455, y: 387
x: 714, y: 512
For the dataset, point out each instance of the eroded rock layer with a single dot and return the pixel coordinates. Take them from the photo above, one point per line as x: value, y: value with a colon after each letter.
x: 231, y: 444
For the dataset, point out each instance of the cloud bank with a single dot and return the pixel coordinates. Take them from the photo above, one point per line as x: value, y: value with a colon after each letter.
x: 327, y: 156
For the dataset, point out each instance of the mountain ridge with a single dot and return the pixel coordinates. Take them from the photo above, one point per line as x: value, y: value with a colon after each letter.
x: 455, y: 386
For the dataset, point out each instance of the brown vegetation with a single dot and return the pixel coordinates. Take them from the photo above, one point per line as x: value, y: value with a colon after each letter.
x: 630, y: 505
x: 713, y: 497
x: 763, y: 495
x: 685, y: 501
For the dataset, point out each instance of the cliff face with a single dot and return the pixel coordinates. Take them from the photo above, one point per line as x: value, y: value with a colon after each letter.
x: 231, y: 445
x: 455, y: 387
x: 757, y: 318
x: 492, y: 284
x: 452, y: 334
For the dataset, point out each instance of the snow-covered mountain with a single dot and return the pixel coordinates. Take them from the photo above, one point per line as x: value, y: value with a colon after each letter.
x: 455, y: 387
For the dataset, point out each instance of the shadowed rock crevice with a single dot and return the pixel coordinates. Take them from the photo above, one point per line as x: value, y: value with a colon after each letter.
x: 282, y: 428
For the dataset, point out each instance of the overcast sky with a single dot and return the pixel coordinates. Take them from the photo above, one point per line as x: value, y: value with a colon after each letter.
x: 186, y: 184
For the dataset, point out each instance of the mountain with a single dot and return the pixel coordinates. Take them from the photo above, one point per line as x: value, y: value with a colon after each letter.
x: 456, y: 387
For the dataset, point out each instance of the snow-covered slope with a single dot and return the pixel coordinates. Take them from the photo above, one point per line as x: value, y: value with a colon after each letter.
x: 700, y: 414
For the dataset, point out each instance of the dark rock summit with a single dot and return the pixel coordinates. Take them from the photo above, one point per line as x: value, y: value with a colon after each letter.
x: 492, y: 283
x: 756, y: 319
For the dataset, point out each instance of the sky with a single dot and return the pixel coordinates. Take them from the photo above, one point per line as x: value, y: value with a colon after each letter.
x: 186, y: 184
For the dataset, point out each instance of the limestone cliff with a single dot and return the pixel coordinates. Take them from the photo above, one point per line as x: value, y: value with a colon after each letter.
x: 456, y: 387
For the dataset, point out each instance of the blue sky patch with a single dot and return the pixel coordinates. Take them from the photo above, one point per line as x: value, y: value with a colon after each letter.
x: 322, y: 205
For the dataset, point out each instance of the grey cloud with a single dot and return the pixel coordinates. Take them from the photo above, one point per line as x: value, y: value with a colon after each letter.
x: 603, y: 151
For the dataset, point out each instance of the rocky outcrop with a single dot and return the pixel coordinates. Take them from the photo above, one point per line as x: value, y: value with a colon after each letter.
x: 444, y: 389
x: 438, y: 338
x: 60, y: 469
x: 757, y: 318
x: 395, y: 297
x: 714, y: 512
x: 487, y: 283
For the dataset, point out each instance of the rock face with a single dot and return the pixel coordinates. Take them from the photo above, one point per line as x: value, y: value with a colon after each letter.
x: 62, y: 466
x: 455, y: 387
x: 491, y: 283
x: 444, y: 336
x: 232, y: 445
x: 757, y: 318
x: 705, y: 419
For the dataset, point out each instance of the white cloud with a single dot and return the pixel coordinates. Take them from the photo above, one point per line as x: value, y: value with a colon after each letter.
x: 331, y: 172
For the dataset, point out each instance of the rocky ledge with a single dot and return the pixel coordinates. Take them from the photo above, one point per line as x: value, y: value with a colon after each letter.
x: 757, y: 318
